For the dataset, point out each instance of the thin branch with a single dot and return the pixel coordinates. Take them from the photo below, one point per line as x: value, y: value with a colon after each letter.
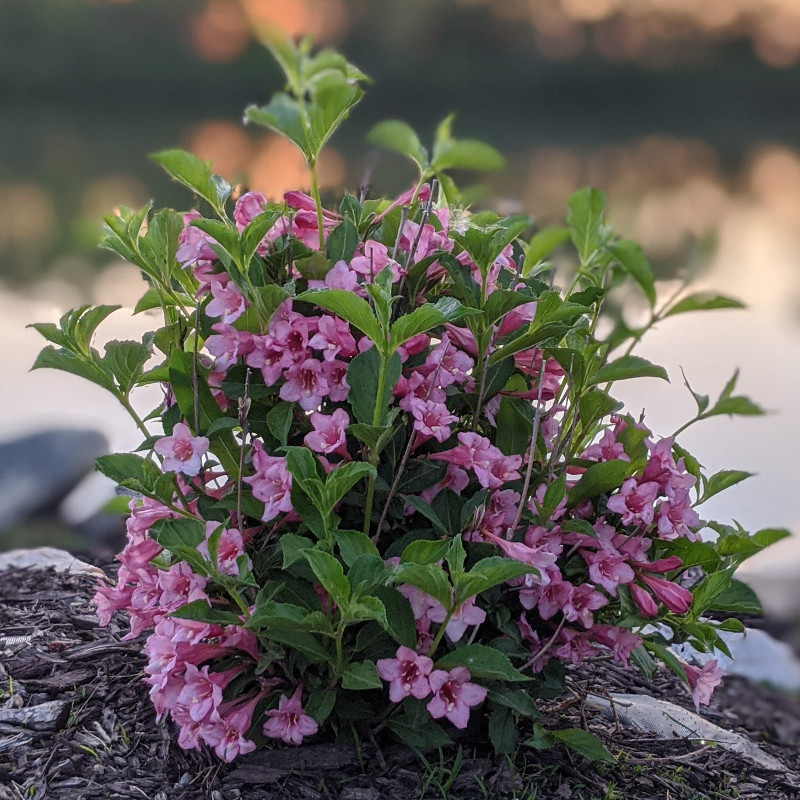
x: 244, y: 411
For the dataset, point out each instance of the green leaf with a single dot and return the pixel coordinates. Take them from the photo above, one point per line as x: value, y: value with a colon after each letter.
x: 348, y: 306
x: 366, y: 572
x: 482, y: 662
x: 254, y: 233
x: 425, y: 552
x: 542, y: 244
x: 585, y: 743
x: 330, y: 574
x: 489, y: 572
x: 430, y: 578
x: 343, y: 478
x: 368, y: 607
x: 279, y: 421
x: 424, y: 318
x: 320, y: 703
x: 179, y: 533
x: 628, y: 367
x: 514, y: 427
x: 599, y: 479
x: 125, y: 360
x: 703, y: 301
x: 417, y: 729
x: 700, y: 399
x: 305, y: 643
x: 466, y: 154
x: 585, y: 221
x: 66, y: 361
x: 343, y: 241
x: 267, y: 300
x: 632, y: 259
x: 202, y: 611
x: 294, y: 548
x: 363, y: 377
x: 283, y: 115
x: 735, y: 406
x: 393, y: 134
x: 738, y: 598
x: 400, y: 618
x: 517, y: 700
x: 376, y: 437
x: 668, y: 657
x: 361, y: 675
x: 353, y: 544
x: 722, y: 480
x: 195, y: 174
x: 131, y: 471
x: 502, y: 730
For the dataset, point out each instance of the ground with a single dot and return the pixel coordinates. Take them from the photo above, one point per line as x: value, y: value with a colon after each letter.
x: 93, y: 734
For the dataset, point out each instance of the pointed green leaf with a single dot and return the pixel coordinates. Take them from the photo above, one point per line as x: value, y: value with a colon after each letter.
x: 330, y: 574
x: 393, y: 134
x: 627, y: 367
x: 632, y: 259
x: 361, y: 675
x: 585, y: 221
x: 348, y: 306
x: 483, y: 662
x: 585, y: 743
x: 599, y: 479
x: 343, y: 241
x: 703, y: 301
x: 195, y: 174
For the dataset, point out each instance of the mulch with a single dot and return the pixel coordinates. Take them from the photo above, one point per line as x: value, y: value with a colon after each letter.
x: 76, y: 723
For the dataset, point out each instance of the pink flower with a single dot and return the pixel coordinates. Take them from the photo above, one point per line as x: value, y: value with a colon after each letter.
x: 676, y: 517
x: 231, y: 546
x: 227, y: 344
x: 538, y: 557
x: 202, y: 692
x: 194, y: 244
x: 182, y: 452
x: 454, y: 695
x: 272, y: 483
x: 227, y: 302
x: 674, y: 597
x: 465, y: 616
x: 407, y: 674
x: 335, y: 375
x: 227, y: 733
x: 329, y: 434
x: 289, y: 721
x: 431, y: 420
x: 375, y: 258
x: 268, y: 356
x: 703, y: 681
x: 476, y: 452
x: 608, y: 570
x: 620, y: 641
x: 607, y: 449
x: 306, y: 384
x: 635, y: 502
x: 333, y: 337
x: 248, y: 207
x: 340, y: 276
x: 647, y: 606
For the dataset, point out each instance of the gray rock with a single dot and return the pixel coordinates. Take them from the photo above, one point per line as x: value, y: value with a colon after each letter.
x: 38, y: 471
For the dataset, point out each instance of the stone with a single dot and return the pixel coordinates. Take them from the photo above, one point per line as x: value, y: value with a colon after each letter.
x: 45, y: 558
x: 38, y: 471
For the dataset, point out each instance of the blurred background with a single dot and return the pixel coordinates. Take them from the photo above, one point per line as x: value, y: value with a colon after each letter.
x: 687, y: 114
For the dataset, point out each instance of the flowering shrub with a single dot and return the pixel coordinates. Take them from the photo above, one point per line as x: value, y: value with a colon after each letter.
x: 389, y: 485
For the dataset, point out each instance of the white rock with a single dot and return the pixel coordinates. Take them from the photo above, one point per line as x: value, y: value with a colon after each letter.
x: 44, y: 557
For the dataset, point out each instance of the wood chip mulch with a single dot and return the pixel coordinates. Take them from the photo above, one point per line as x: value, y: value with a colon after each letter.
x: 76, y: 724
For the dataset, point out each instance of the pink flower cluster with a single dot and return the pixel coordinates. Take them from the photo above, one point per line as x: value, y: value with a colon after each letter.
x: 412, y: 675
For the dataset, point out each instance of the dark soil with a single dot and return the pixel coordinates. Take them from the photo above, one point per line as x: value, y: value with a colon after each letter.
x: 76, y: 722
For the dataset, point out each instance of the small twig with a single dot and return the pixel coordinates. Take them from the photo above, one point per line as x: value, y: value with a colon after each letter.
x: 531, y: 455
x: 546, y: 648
x: 482, y: 387
x: 195, y: 379
x: 409, y: 447
x: 244, y: 411
x: 403, y: 220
